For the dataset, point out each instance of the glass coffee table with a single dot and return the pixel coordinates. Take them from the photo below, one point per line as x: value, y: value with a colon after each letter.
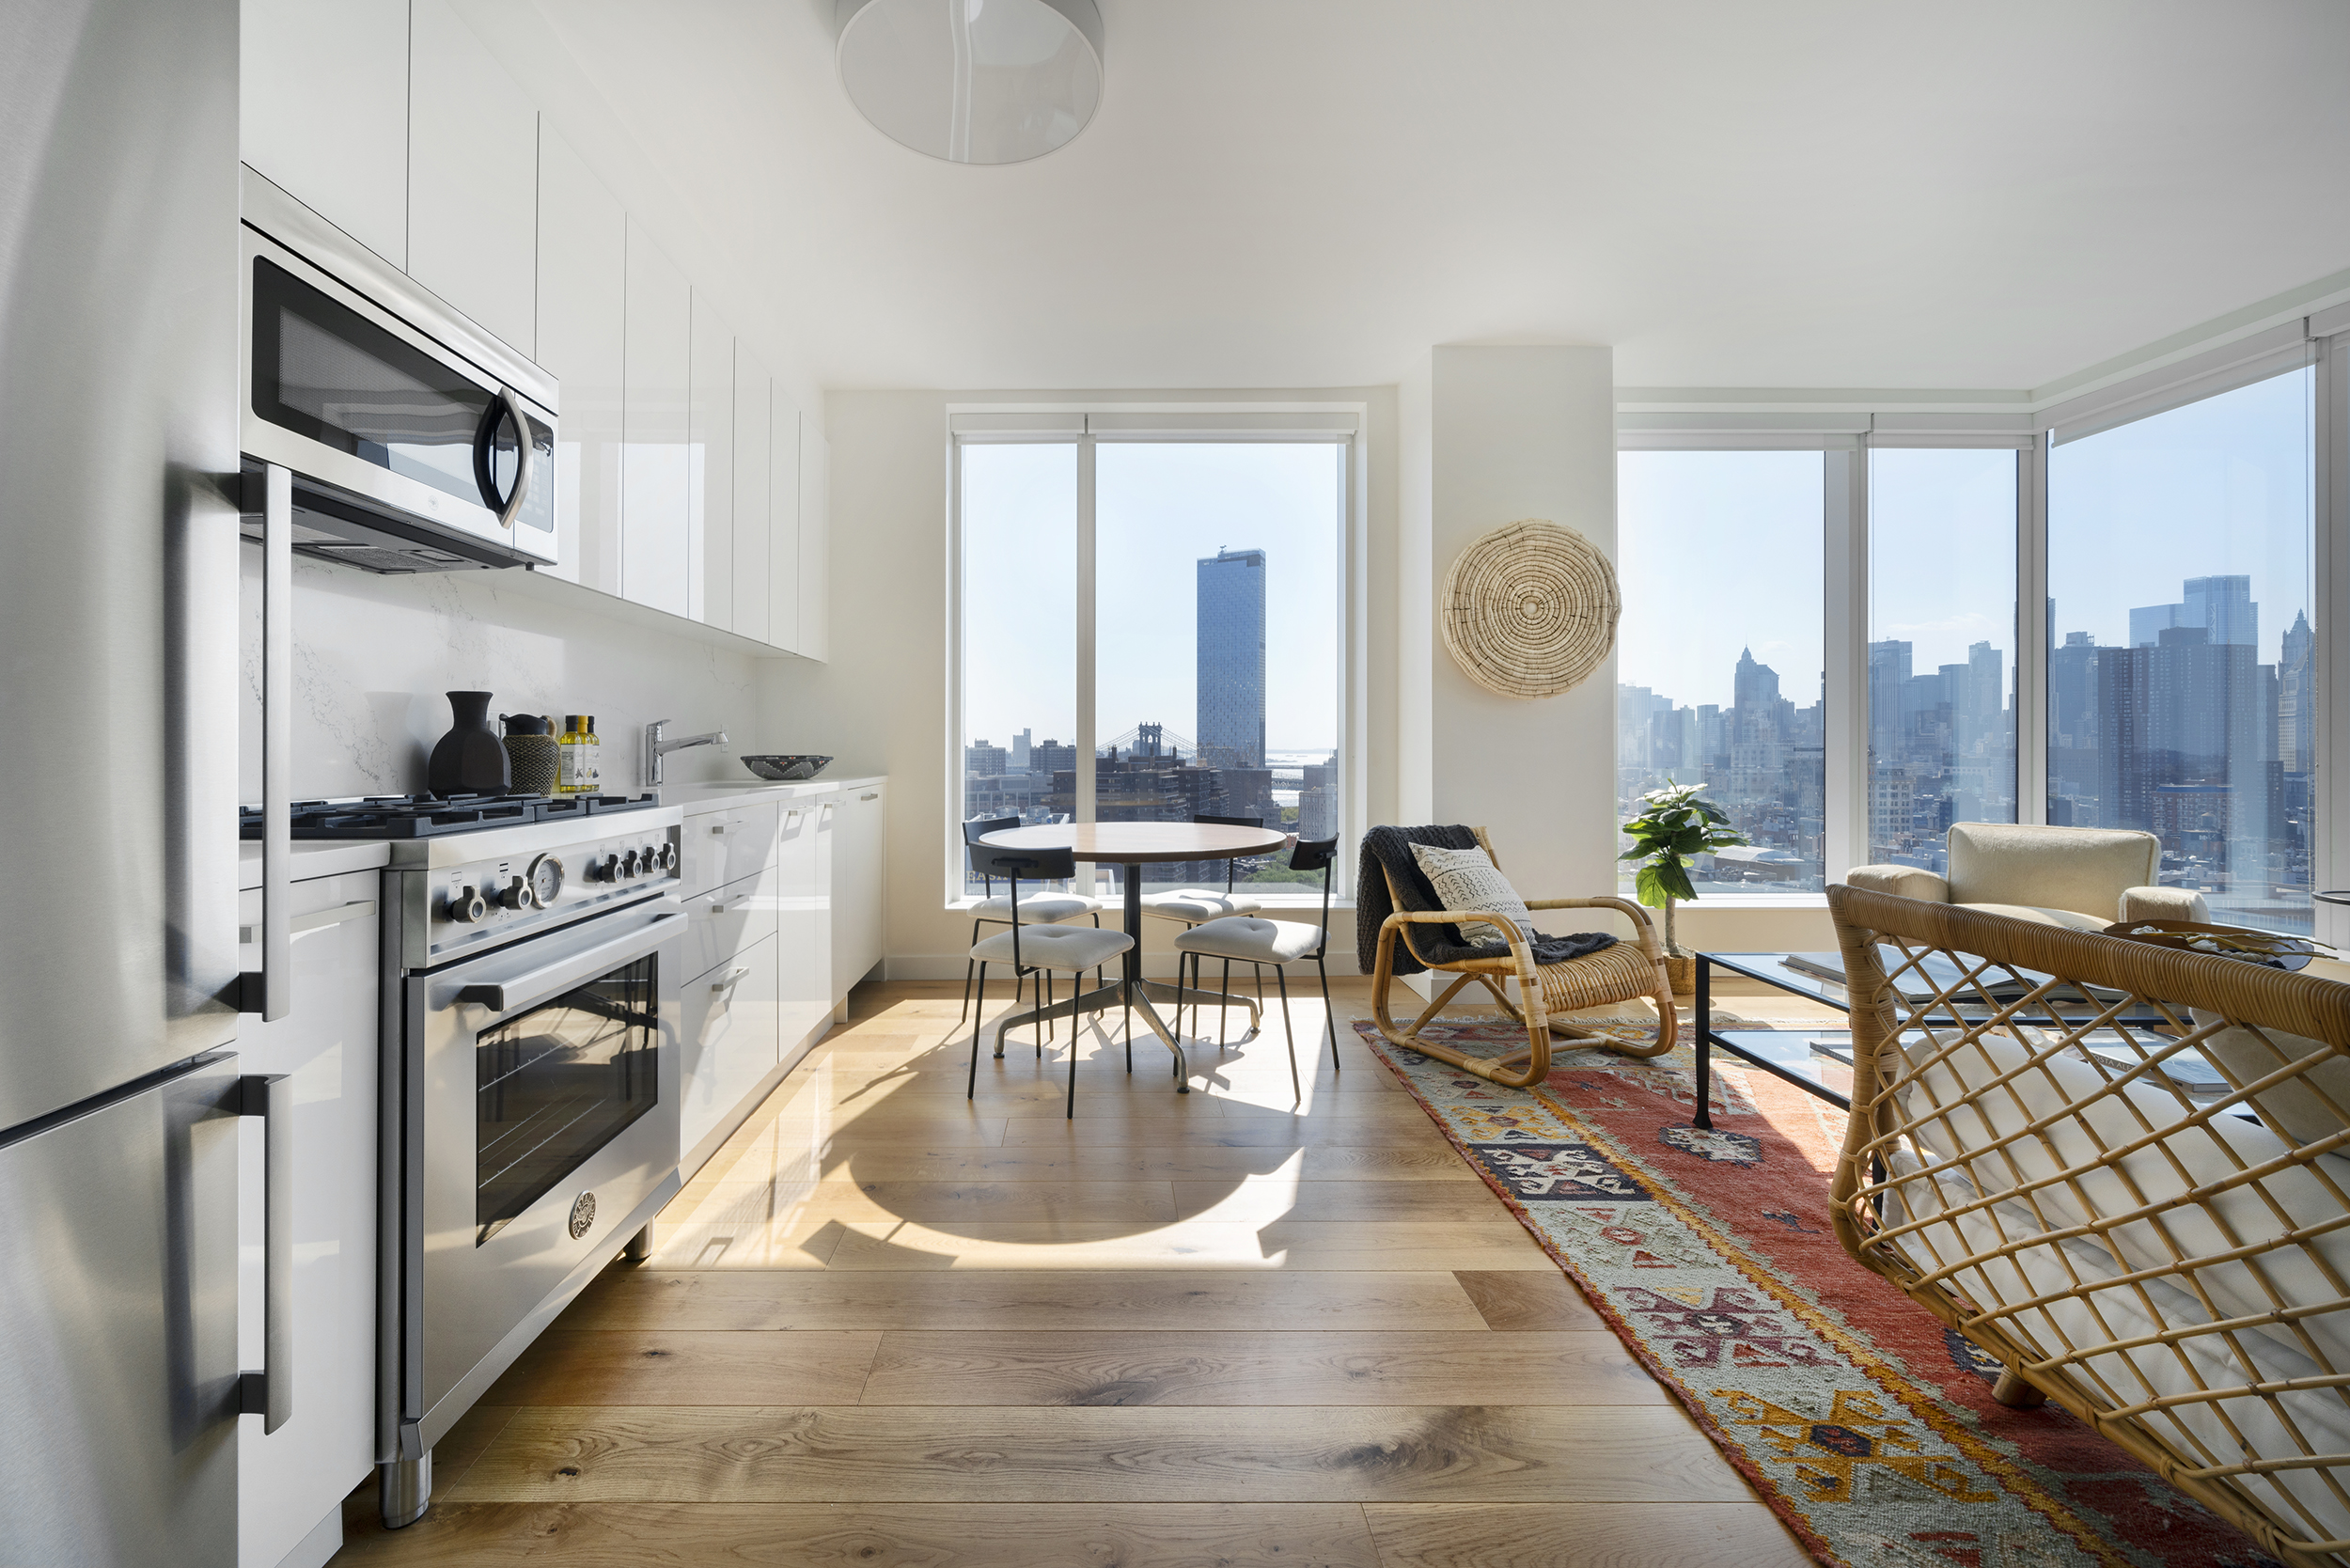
x: 1797, y: 1054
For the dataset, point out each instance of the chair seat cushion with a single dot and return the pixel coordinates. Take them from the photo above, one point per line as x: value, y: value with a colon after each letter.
x: 1195, y: 904
x: 1251, y: 940
x: 1038, y: 908
x: 1055, y: 947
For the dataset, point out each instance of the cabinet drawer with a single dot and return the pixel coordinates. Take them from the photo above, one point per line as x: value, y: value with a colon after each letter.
x: 727, y: 921
x: 730, y: 1035
x: 728, y: 845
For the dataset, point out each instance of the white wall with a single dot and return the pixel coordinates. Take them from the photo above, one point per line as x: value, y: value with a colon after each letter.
x: 882, y: 699
x: 372, y: 655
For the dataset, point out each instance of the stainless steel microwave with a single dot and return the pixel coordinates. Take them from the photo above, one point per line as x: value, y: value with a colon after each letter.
x: 418, y: 443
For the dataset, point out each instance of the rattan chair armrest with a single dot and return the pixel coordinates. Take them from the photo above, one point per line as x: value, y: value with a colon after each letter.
x: 1905, y: 882
x: 1643, y: 928
x: 1519, y: 952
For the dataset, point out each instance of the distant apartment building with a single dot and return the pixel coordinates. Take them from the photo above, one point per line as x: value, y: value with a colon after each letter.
x: 1231, y: 694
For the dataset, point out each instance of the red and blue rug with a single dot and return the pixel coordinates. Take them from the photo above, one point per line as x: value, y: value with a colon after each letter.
x: 1864, y: 1423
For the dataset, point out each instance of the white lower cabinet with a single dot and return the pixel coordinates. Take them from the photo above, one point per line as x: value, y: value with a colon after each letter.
x: 805, y: 859
x: 729, y: 1023
x: 291, y: 1482
x: 857, y: 887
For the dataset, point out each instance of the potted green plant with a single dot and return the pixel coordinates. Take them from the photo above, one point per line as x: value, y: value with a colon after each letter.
x: 1673, y: 823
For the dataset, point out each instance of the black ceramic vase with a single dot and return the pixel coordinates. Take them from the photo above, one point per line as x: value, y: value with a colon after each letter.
x: 470, y: 759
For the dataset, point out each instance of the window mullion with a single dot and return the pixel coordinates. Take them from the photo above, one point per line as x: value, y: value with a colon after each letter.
x: 1086, y: 738
x: 1845, y: 733
x: 2033, y: 635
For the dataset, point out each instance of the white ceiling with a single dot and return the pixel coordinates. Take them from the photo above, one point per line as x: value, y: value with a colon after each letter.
x: 1310, y: 192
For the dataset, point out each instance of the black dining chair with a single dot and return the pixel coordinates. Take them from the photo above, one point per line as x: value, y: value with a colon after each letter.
x: 1037, y: 949
x: 993, y: 909
x: 1249, y: 939
x: 1192, y: 906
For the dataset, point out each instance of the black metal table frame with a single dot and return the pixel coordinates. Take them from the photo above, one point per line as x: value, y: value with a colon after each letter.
x: 1132, y: 990
x: 1708, y: 1041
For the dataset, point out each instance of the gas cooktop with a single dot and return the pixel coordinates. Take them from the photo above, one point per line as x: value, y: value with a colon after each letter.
x: 430, y: 816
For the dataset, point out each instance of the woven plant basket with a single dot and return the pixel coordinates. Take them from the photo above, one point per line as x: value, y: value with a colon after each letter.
x: 1529, y: 609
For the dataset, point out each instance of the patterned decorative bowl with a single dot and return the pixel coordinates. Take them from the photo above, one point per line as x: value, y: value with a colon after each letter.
x: 786, y: 770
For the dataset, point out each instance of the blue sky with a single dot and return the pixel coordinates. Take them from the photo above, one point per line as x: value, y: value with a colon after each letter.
x: 1719, y: 551
x: 1159, y: 508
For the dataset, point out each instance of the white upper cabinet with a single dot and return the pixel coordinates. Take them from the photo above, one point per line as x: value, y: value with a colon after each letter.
x: 782, y: 566
x: 754, y: 484
x: 710, y: 564
x: 581, y: 337
x: 657, y: 389
x: 322, y: 111
x: 815, y: 640
x: 472, y: 178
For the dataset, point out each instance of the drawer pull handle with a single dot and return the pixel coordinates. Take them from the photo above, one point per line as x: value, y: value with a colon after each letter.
x: 874, y: 794
x: 317, y: 919
x: 732, y: 976
x: 718, y: 830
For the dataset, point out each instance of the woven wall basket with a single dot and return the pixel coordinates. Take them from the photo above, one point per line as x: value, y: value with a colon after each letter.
x: 1529, y: 610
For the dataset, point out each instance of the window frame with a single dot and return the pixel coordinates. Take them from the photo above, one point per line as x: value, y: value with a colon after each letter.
x: 1086, y: 427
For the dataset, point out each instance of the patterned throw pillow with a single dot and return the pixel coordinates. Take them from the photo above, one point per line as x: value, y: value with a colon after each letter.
x: 1468, y: 879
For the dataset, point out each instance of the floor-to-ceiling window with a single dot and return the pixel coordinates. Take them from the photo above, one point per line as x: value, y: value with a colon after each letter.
x: 1209, y: 634
x: 1941, y: 663
x: 2182, y: 694
x: 1719, y: 667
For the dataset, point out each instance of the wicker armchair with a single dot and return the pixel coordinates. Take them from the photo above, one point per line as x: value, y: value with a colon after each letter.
x: 2147, y: 1222
x: 1618, y: 974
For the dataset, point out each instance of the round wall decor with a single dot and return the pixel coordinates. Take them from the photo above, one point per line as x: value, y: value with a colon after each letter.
x: 1529, y: 610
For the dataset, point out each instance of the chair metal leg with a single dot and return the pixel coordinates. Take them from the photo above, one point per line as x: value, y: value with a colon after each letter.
x: 1074, y: 982
x: 1223, y: 1013
x: 1289, y: 1035
x: 1328, y: 1015
x: 966, y: 974
x: 972, y: 1090
x: 1045, y: 983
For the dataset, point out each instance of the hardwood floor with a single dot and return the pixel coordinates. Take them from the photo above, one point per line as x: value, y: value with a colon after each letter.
x: 889, y: 1326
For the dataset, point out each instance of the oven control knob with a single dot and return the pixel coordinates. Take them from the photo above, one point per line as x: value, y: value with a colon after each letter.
x: 649, y: 860
x: 628, y: 864
x: 466, y: 906
x: 606, y: 868
x: 516, y: 896
x: 669, y: 857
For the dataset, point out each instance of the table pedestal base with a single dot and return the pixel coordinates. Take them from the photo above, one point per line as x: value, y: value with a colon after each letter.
x: 1138, y: 994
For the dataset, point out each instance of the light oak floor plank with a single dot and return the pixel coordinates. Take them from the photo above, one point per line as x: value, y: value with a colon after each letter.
x: 900, y: 1535
x: 1528, y: 1301
x: 1581, y: 1535
x: 1220, y: 1367
x: 915, y: 1162
x: 953, y: 1298
x: 1189, y: 1244
x: 1151, y: 1453
x: 619, y: 1367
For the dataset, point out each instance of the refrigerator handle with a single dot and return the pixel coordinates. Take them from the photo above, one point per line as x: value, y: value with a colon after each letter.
x: 269, y: 1393
x: 269, y: 991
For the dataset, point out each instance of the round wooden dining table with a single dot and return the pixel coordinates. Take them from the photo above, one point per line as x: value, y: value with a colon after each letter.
x: 1130, y: 846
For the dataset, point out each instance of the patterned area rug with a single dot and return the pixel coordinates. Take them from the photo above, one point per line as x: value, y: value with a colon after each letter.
x: 1859, y: 1418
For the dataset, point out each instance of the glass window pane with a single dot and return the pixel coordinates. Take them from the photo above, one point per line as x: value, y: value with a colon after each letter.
x: 1719, y: 675
x: 1217, y: 638
x: 1019, y: 633
x: 1941, y: 649
x: 2181, y: 682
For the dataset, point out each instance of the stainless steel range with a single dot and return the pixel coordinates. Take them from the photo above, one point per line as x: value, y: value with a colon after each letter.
x: 530, y: 1080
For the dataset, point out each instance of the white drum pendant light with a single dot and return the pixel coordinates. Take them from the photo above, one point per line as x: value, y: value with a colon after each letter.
x: 973, y: 81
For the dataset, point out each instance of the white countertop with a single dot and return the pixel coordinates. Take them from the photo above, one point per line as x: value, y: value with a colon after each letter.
x: 315, y: 858
x: 698, y: 798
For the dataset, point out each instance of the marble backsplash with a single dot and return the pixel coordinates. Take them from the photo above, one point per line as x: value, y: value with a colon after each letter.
x: 372, y: 655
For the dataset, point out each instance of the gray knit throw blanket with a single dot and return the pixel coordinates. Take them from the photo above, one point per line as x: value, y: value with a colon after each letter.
x: 1392, y: 848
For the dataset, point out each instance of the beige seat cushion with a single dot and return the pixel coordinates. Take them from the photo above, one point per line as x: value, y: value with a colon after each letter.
x: 2081, y: 869
x: 2296, y: 1108
x: 1054, y: 946
x: 1248, y: 940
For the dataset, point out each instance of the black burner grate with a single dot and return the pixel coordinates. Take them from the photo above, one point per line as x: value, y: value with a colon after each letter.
x: 432, y: 816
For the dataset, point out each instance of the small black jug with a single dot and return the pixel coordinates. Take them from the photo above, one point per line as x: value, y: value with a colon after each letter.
x: 469, y: 759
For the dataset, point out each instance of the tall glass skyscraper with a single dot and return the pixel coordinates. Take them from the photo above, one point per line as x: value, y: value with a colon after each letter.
x: 1231, y: 659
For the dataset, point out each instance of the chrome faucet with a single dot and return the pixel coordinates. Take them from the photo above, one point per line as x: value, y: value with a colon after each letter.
x: 656, y: 749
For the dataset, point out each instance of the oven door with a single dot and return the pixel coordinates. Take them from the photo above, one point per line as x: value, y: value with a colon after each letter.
x: 549, y: 1097
x: 392, y: 435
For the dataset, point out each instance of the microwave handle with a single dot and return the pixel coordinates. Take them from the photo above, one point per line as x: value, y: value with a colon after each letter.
x: 530, y: 987
x: 269, y: 991
x: 525, y: 454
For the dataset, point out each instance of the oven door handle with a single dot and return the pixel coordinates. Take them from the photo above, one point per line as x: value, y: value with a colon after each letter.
x: 549, y: 981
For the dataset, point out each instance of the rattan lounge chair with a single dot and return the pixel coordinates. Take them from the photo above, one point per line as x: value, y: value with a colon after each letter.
x: 2147, y: 1223
x: 1621, y: 973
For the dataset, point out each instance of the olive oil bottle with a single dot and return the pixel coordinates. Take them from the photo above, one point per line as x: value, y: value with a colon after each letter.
x: 578, y: 765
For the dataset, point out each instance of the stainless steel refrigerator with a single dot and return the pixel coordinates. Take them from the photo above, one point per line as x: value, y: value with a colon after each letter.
x: 118, y: 534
